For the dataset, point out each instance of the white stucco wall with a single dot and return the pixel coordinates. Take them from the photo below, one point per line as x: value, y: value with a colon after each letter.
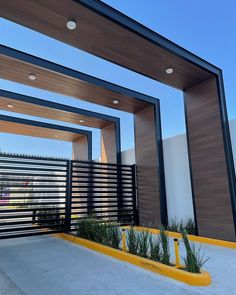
x: 177, y: 178
x: 128, y: 157
x: 177, y: 174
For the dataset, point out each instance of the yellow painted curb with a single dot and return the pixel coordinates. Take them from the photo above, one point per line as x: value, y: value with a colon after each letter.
x: 202, y: 279
x: 192, y: 238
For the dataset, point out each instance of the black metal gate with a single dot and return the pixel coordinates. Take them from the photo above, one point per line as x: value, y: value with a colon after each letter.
x: 41, y: 195
x: 106, y: 191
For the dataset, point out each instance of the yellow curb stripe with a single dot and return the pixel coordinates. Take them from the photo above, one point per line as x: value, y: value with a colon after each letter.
x: 192, y: 238
x: 193, y: 279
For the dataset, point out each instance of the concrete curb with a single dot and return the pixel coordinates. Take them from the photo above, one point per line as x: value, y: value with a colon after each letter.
x: 192, y: 238
x: 193, y: 279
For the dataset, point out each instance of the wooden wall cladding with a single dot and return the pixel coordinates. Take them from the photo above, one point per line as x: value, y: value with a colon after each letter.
x: 147, y: 167
x: 208, y: 163
x: 80, y: 149
x: 108, y: 144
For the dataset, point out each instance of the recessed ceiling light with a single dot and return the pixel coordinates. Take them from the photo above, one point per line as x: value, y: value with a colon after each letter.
x: 32, y: 77
x: 169, y: 71
x: 81, y: 121
x: 71, y: 25
x: 116, y: 101
x: 10, y: 106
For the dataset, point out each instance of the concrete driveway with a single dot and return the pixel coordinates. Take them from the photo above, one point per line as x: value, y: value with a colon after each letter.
x: 46, y: 265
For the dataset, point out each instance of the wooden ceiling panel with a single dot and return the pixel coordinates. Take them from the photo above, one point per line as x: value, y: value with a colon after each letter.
x: 32, y: 109
x: 21, y: 129
x: 25, y: 127
x: 105, y: 38
x: 17, y: 70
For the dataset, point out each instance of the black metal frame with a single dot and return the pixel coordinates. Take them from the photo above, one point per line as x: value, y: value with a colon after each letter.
x: 119, y: 18
x: 16, y: 54
x: 139, y: 29
x: 227, y: 145
x: 130, y: 24
x: 69, y: 109
x: 83, y: 132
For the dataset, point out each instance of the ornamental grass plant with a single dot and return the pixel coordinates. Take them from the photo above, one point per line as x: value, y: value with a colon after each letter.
x: 132, y: 241
x: 102, y: 232
x: 141, y: 243
x: 155, y: 248
x: 165, y: 247
x: 179, y: 226
x: 195, y: 258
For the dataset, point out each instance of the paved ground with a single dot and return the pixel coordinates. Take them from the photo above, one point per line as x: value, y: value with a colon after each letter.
x: 45, y: 265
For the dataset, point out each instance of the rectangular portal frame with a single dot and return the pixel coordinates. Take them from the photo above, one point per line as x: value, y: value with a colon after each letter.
x: 51, y: 110
x: 16, y: 65
x: 111, y: 35
x: 19, y: 126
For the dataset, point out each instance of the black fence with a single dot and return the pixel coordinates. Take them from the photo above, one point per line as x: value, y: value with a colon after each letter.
x: 48, y: 195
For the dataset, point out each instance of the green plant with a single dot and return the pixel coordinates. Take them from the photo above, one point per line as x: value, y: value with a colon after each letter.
x: 194, y: 259
x: 190, y: 226
x: 155, y: 250
x: 173, y: 225
x: 132, y: 241
x: 143, y: 245
x: 182, y: 226
x: 113, y: 236
x: 177, y: 226
x: 49, y: 217
x: 99, y: 231
x: 83, y: 228
x: 91, y: 229
x: 164, y: 241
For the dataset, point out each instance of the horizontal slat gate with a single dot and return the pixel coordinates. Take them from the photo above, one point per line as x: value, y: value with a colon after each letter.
x: 48, y: 195
x: 33, y: 194
x: 105, y: 191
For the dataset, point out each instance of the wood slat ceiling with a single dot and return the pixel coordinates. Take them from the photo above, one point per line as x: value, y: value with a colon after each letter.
x: 105, y: 38
x: 36, y: 131
x: 17, y: 70
x: 49, y: 113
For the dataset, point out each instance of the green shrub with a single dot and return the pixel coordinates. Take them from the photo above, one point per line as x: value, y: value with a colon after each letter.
x: 194, y: 259
x: 113, y: 236
x: 143, y: 243
x: 84, y: 228
x: 190, y: 226
x: 99, y: 231
x: 155, y: 249
x: 91, y: 229
x: 132, y: 241
x: 176, y: 226
x: 53, y: 216
x: 164, y: 241
x: 173, y: 225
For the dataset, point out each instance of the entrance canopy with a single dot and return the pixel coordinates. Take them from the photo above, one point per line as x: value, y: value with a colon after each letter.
x: 105, y: 32
x: 81, y: 139
x: 17, y: 66
x: 33, y: 106
x: 109, y: 125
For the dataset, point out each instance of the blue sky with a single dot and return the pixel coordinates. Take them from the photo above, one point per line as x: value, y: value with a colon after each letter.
x: 207, y: 28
